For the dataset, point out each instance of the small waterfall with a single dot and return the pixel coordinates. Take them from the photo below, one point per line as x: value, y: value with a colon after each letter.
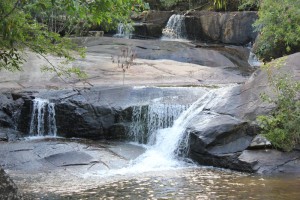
x: 169, y: 141
x: 43, y: 118
x: 124, y: 31
x: 253, y: 60
x: 175, y: 28
x: 146, y: 120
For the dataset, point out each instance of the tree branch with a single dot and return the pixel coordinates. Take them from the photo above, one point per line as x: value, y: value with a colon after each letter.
x: 12, y: 10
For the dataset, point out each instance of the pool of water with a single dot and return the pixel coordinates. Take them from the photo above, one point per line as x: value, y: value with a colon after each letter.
x: 188, y: 183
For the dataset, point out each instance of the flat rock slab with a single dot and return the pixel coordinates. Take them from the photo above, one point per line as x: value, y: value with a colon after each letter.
x: 59, y: 164
x: 271, y: 161
x: 70, y: 158
x: 157, y: 63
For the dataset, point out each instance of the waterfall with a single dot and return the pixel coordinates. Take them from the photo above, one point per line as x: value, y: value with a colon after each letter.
x: 146, y: 120
x: 124, y: 31
x: 43, y: 118
x: 163, y: 154
x: 175, y: 28
x: 253, y: 60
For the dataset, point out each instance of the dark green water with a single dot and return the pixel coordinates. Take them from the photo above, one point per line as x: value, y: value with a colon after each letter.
x: 195, y: 183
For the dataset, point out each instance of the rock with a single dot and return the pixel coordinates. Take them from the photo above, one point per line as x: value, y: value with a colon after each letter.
x: 8, y: 189
x: 9, y: 135
x: 9, y: 110
x: 3, y: 136
x: 151, y: 24
x: 39, y: 165
x: 218, y: 139
x: 231, y: 113
x: 272, y: 161
x: 104, y: 113
x: 147, y: 30
x: 244, y: 101
x: 70, y: 158
x: 259, y: 142
x: 229, y: 28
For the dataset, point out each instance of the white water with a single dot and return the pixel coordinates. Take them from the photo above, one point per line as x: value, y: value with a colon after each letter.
x: 253, y: 60
x: 163, y: 154
x: 175, y: 28
x: 43, y: 118
x: 146, y: 120
x: 124, y: 31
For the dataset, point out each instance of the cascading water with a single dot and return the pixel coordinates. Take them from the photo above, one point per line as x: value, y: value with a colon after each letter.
x: 124, y: 31
x: 146, y: 120
x: 253, y: 60
x: 169, y: 143
x: 43, y: 118
x: 175, y: 28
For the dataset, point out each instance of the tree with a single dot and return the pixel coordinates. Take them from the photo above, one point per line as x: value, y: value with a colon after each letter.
x: 279, y: 27
x: 29, y: 25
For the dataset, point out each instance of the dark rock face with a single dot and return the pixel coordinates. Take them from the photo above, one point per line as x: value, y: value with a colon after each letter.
x: 9, y: 107
x: 8, y: 190
x: 218, y: 139
x: 106, y: 113
x: 151, y: 24
x: 102, y: 113
x: 228, y: 28
x: 224, y: 136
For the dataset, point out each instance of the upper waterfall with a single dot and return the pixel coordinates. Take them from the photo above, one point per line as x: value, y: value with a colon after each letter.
x: 43, y: 118
x: 175, y: 28
x: 124, y: 31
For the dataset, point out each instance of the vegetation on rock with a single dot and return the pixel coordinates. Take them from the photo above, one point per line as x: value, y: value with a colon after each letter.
x: 279, y: 28
x: 281, y: 127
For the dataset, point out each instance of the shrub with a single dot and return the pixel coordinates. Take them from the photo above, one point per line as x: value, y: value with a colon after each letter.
x: 279, y: 27
x: 282, y: 126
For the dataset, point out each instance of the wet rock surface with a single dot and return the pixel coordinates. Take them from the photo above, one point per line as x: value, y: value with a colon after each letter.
x: 8, y: 189
x: 53, y: 164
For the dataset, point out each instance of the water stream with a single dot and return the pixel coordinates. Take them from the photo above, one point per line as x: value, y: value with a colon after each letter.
x: 146, y: 120
x: 43, y: 118
x: 161, y: 172
x: 124, y: 31
x: 175, y: 28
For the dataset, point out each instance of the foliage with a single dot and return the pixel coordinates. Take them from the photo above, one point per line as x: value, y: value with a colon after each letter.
x: 279, y: 27
x: 249, y: 4
x: 220, y: 4
x: 30, y: 24
x: 282, y: 126
x: 170, y: 3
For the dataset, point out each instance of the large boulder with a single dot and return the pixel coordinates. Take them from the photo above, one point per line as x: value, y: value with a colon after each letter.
x: 229, y: 28
x: 8, y: 189
x: 223, y: 136
x: 9, y: 109
x: 150, y: 24
x: 217, y: 140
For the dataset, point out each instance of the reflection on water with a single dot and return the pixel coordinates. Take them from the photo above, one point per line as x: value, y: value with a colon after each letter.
x: 195, y: 183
